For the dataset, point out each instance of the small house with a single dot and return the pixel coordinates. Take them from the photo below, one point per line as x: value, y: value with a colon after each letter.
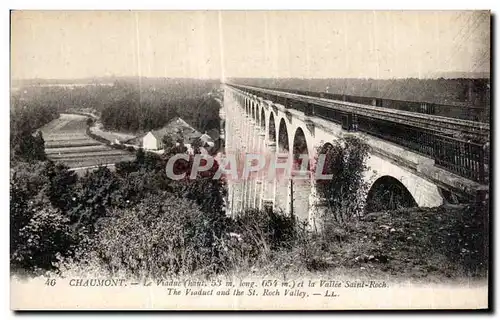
x: 177, y: 129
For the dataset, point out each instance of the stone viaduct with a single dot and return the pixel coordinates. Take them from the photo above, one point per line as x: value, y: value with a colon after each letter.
x: 258, y: 120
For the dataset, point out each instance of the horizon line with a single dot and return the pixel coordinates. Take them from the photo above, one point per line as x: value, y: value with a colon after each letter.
x: 480, y: 75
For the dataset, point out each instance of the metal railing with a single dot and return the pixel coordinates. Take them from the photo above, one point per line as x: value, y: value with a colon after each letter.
x: 481, y: 114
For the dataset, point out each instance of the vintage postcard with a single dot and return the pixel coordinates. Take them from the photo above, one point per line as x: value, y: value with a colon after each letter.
x: 249, y: 160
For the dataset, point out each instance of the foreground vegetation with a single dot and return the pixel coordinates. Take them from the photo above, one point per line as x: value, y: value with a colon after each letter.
x: 135, y: 222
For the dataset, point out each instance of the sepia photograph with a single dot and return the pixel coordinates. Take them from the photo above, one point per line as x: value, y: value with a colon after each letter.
x: 250, y: 159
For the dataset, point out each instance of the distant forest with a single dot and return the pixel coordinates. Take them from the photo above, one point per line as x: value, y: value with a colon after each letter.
x: 460, y: 91
x: 107, y: 80
x: 131, y: 104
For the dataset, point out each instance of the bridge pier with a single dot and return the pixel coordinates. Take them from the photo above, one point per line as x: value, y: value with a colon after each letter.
x: 247, y: 150
x: 282, y: 186
x: 299, y: 194
x: 261, y: 175
x: 270, y: 185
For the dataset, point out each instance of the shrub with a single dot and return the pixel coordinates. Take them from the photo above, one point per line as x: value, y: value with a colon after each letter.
x: 94, y: 193
x: 162, y: 235
x: 275, y: 229
x: 39, y: 232
x: 255, y: 236
x: 39, y: 227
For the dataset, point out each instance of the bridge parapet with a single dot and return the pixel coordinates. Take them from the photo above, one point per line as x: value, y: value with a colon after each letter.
x: 456, y: 145
x: 478, y: 131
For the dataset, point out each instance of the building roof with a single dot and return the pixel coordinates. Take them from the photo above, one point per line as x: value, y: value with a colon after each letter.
x: 206, y: 138
x: 177, y: 128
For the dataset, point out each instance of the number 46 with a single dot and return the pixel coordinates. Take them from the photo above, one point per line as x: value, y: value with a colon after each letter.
x: 50, y: 282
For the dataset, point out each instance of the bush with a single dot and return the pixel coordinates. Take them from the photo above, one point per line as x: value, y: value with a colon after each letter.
x: 271, y: 229
x: 39, y: 227
x: 254, y: 238
x: 166, y: 235
x: 162, y: 235
x: 38, y: 233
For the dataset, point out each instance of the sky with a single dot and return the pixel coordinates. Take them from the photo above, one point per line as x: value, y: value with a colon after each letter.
x: 225, y: 44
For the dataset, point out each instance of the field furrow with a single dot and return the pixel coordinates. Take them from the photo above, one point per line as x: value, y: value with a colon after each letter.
x: 83, y: 149
x: 69, y: 144
x: 66, y: 141
x: 87, y: 162
x: 106, y: 153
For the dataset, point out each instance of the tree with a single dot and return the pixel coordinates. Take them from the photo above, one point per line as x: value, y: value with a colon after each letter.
x: 26, y: 147
x: 344, y: 194
x: 39, y: 231
x: 95, y: 192
x: 169, y: 146
x: 61, y: 190
x: 196, y: 145
x: 124, y: 168
x: 139, y: 156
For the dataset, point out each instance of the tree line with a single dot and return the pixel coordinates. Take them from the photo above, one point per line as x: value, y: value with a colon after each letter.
x: 132, y: 104
x: 26, y: 116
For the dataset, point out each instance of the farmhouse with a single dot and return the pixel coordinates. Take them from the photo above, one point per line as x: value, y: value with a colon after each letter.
x: 178, y: 129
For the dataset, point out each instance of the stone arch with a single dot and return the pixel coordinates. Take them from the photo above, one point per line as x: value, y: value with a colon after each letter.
x: 283, y: 145
x: 262, y: 118
x: 272, y: 127
x: 283, y: 200
x: 388, y: 193
x: 327, y: 167
x: 325, y: 152
x: 300, y: 147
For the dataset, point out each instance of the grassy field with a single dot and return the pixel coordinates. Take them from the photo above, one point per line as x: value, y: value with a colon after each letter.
x: 67, y: 142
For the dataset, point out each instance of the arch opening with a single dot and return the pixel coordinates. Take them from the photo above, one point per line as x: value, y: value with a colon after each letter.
x: 262, y: 118
x: 300, y: 150
x: 388, y: 193
x: 283, y: 137
x: 327, y: 154
x: 272, y: 128
x: 283, y: 186
x: 328, y: 166
x: 300, y: 184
